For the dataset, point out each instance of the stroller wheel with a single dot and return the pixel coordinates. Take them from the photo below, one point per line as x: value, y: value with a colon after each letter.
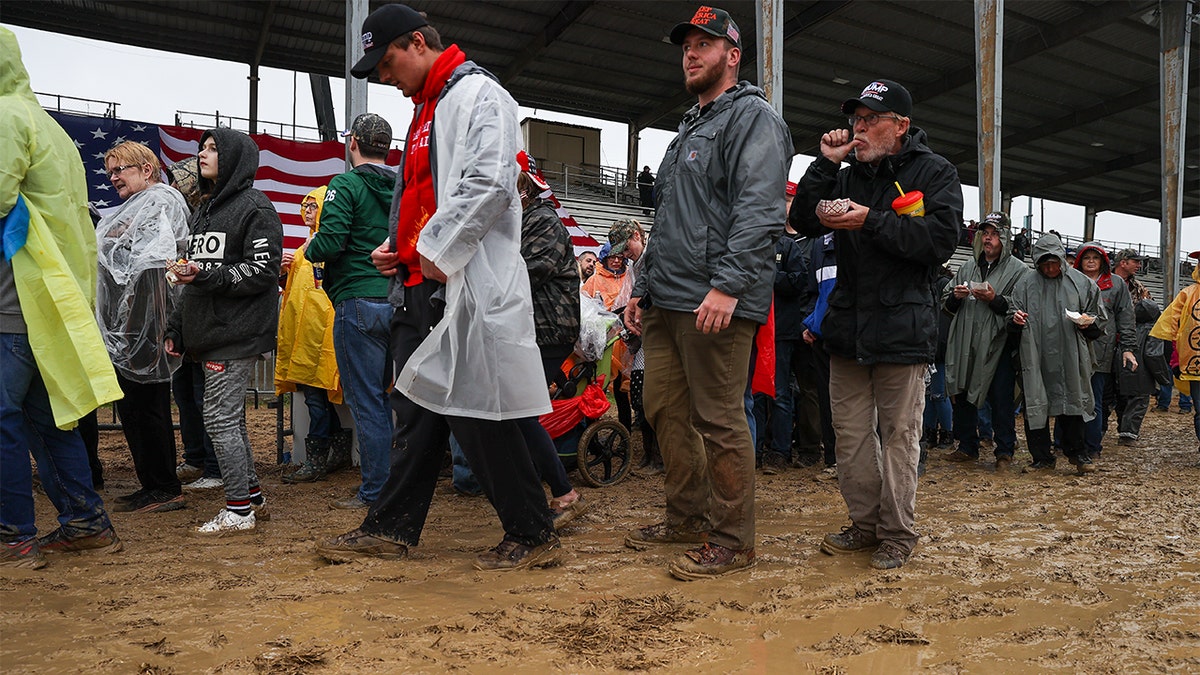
x: 605, y: 453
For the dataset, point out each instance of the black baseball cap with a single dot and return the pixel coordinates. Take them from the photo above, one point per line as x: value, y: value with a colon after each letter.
x: 711, y: 20
x: 996, y: 219
x: 379, y: 29
x: 881, y: 96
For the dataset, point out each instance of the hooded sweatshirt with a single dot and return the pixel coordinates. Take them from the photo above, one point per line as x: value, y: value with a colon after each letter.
x: 979, y: 333
x: 1117, y: 321
x: 1056, y: 364
x: 230, y: 311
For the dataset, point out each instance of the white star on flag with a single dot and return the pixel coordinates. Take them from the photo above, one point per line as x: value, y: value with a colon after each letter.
x: 99, y: 133
x: 139, y: 127
x: 77, y: 143
x: 101, y: 204
x: 105, y: 186
x: 98, y: 155
x: 120, y: 140
x: 102, y: 171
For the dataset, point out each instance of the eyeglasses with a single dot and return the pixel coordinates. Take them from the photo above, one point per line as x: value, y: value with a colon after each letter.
x: 311, y: 206
x: 871, y: 119
x: 118, y: 169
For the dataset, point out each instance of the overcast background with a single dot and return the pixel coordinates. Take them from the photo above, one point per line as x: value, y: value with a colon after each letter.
x: 151, y: 86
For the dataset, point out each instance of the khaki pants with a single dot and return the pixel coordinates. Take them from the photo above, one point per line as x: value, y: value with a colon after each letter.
x: 694, y: 399
x: 878, y: 481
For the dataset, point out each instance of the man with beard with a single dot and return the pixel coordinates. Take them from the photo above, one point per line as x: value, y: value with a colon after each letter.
x: 979, y: 353
x: 881, y: 326
x: 706, y: 286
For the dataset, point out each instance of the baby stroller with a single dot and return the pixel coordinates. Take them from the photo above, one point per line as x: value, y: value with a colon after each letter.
x: 600, y: 449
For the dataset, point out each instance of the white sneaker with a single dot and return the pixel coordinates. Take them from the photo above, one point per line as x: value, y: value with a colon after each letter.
x: 204, y: 484
x: 227, y: 523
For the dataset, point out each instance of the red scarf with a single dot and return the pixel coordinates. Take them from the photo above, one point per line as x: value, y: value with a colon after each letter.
x: 419, y: 201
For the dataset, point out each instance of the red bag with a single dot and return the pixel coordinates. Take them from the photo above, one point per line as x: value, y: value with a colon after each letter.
x: 567, y: 414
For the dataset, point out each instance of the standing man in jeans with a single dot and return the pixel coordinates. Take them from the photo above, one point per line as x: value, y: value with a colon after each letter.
x: 48, y: 333
x: 354, y: 219
x: 708, y: 276
x: 881, y: 327
x: 463, y: 332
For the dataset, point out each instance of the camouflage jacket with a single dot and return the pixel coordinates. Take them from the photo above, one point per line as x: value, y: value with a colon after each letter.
x: 553, y: 275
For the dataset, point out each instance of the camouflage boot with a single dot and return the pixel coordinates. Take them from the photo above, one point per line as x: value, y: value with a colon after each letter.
x: 339, y: 450
x: 314, y: 467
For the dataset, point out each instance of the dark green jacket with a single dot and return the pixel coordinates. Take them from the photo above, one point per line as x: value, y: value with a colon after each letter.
x: 354, y: 221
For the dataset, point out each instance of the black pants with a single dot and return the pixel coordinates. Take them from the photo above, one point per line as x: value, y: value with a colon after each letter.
x: 1072, y: 427
x: 820, y: 364
x: 89, y: 431
x: 187, y: 386
x: 496, y: 451
x: 146, y: 420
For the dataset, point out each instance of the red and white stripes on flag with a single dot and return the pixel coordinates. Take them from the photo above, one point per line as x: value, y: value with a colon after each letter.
x: 287, y: 170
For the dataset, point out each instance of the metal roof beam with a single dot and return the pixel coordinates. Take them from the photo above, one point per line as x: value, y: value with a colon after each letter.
x: 567, y: 14
x: 264, y: 32
x: 1091, y: 20
x: 1115, y: 164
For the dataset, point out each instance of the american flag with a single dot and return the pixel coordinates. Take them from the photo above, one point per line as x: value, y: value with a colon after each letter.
x: 287, y: 170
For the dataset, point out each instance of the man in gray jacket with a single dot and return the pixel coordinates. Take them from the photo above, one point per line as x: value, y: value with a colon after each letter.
x: 980, y: 348
x: 709, y: 272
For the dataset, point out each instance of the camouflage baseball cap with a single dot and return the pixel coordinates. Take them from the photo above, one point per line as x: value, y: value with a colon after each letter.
x: 711, y: 20
x: 371, y: 130
x: 1128, y: 254
x: 620, y: 232
x: 186, y: 175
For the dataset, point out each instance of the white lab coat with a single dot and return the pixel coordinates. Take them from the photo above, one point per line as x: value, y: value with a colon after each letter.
x: 481, y: 360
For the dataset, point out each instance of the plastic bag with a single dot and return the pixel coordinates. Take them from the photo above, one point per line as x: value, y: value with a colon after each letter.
x: 595, y: 328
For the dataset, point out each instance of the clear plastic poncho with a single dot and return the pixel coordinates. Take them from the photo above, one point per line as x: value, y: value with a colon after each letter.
x: 133, y: 300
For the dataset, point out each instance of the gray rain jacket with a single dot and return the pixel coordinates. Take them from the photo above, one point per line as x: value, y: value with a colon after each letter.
x: 720, y: 206
x: 1056, y: 364
x: 1117, y: 320
x: 979, y: 331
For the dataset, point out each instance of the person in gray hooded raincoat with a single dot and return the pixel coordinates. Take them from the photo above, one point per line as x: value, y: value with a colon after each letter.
x: 1119, y: 338
x: 1056, y: 363
x: 980, y: 348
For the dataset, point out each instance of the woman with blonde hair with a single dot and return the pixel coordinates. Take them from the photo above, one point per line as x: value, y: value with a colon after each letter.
x: 134, y: 243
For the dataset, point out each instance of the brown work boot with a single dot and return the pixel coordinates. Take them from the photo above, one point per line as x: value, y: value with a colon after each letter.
x: 958, y: 456
x: 104, y: 541
x: 662, y: 534
x: 850, y: 540
x: 709, y: 561
x: 1003, y: 462
x: 358, y: 544
x: 512, y: 555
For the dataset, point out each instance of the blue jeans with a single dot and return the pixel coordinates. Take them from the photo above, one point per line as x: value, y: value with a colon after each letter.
x: 360, y: 340
x: 998, y: 410
x: 27, y: 427
x: 983, y: 419
x: 1185, y: 402
x: 1164, y: 396
x: 938, y: 413
x: 323, y: 420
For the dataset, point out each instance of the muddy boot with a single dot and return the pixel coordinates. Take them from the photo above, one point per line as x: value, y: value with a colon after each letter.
x: 339, y: 450
x: 945, y: 439
x: 314, y: 465
x: 652, y: 461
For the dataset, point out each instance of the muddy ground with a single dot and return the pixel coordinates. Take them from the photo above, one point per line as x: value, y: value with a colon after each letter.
x: 1053, y: 573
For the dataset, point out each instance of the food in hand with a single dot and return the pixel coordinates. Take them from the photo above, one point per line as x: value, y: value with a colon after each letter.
x: 833, y: 207
x: 176, y: 268
x: 1081, y: 319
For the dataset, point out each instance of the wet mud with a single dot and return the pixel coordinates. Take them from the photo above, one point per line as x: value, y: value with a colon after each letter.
x: 1014, y: 573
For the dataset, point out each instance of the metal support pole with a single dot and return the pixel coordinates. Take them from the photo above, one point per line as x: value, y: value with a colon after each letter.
x: 768, y: 19
x: 631, y: 163
x: 1175, y: 30
x: 253, y: 98
x: 1089, y: 223
x: 989, y: 60
x: 356, y: 89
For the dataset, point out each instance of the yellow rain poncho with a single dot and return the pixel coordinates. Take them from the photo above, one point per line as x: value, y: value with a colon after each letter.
x: 55, y: 271
x: 304, y: 354
x: 1179, y: 323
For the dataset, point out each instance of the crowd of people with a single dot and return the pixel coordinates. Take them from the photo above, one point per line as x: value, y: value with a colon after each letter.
x: 426, y: 295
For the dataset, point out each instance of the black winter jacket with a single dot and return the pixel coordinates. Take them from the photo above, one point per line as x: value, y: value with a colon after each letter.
x: 882, y: 310
x: 231, y: 309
